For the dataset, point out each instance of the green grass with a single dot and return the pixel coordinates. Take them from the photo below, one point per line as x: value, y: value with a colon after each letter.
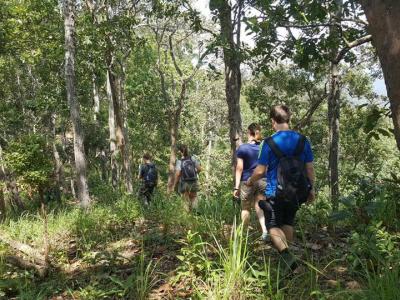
x: 193, y: 253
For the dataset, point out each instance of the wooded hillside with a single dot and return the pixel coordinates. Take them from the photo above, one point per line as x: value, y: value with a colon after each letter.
x: 89, y: 87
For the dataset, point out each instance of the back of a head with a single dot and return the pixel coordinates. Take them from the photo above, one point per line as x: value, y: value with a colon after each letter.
x: 280, y: 114
x: 184, y: 150
x: 255, y: 131
x: 147, y: 156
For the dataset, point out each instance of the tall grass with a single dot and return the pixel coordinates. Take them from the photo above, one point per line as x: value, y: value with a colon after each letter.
x: 230, y: 280
x: 139, y: 284
x: 383, y: 285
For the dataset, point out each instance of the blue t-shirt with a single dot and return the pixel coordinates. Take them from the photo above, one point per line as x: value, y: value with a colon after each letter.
x: 249, y: 154
x: 286, y: 141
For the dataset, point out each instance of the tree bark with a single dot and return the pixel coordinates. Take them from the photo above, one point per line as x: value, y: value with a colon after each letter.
x: 334, y: 110
x: 174, y: 124
x: 96, y: 100
x: 124, y: 109
x: 79, y: 149
x: 334, y: 122
x: 384, y: 26
x: 121, y: 139
x: 2, y: 203
x: 58, y: 166
x: 233, y: 79
x: 173, y: 136
x: 113, y: 136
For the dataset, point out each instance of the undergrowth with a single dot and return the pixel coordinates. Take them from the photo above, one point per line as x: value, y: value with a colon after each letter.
x: 120, y: 249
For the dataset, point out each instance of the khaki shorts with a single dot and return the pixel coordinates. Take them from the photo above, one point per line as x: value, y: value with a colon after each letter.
x: 188, y: 186
x: 248, y: 193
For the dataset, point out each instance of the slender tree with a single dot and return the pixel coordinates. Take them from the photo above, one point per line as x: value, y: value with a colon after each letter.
x: 70, y: 80
x: 230, y: 41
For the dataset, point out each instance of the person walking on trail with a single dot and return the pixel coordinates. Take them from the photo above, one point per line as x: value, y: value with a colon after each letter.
x: 186, y: 174
x: 287, y: 158
x: 246, y: 162
x: 148, y: 175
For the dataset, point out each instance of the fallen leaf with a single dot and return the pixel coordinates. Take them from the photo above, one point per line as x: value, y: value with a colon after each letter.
x: 340, y: 269
x: 332, y: 283
x: 353, y: 285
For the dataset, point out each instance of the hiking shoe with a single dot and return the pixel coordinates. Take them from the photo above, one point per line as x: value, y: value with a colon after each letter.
x: 287, y: 263
x: 265, y: 237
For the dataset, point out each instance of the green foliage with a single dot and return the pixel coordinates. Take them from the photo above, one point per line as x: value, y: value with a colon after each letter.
x: 194, y: 257
x: 382, y: 285
x: 371, y: 202
x: 139, y: 284
x: 29, y: 160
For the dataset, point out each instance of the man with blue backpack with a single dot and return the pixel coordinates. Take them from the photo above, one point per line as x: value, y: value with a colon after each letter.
x: 148, y: 174
x: 287, y: 158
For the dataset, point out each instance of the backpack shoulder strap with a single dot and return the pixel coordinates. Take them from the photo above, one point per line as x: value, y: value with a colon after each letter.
x: 300, y: 146
x: 274, y: 147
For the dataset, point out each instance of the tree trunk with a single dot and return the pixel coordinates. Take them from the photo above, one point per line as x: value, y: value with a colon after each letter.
x: 120, y: 131
x: 173, y: 135
x: 2, y: 203
x: 334, y: 121
x: 233, y: 81
x: 127, y: 156
x: 58, y: 168
x: 96, y: 99
x: 113, y: 136
x: 334, y: 110
x: 384, y: 26
x: 79, y: 150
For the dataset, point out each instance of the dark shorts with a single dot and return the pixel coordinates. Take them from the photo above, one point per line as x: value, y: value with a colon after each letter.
x: 278, y: 212
x: 147, y: 189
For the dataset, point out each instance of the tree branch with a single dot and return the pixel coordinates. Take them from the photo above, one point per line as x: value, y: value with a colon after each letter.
x: 172, y: 54
x: 306, y: 119
x: 351, y: 45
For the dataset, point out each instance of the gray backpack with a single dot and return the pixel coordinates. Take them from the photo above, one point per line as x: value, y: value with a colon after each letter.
x: 188, y: 169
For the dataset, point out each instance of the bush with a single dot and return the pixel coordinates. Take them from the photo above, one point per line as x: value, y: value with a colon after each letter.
x: 30, y: 161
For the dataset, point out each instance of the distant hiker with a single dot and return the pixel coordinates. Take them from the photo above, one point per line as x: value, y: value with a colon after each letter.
x: 148, y: 174
x: 186, y: 171
x: 247, y: 156
x: 288, y: 159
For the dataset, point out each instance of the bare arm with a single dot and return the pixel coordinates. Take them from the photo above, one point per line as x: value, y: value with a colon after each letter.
x: 258, y: 173
x: 310, y: 172
x: 177, y: 176
x: 238, y: 176
x: 238, y: 172
x: 311, y: 176
x: 140, y: 173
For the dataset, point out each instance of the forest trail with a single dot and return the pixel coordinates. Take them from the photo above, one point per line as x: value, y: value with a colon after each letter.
x: 114, y: 254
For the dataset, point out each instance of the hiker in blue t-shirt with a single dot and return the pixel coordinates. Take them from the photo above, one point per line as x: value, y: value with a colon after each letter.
x: 280, y: 210
x: 246, y: 162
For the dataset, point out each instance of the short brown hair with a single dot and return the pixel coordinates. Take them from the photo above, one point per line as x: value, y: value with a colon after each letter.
x: 147, y: 156
x: 280, y: 114
x: 253, y: 127
x: 184, y: 150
